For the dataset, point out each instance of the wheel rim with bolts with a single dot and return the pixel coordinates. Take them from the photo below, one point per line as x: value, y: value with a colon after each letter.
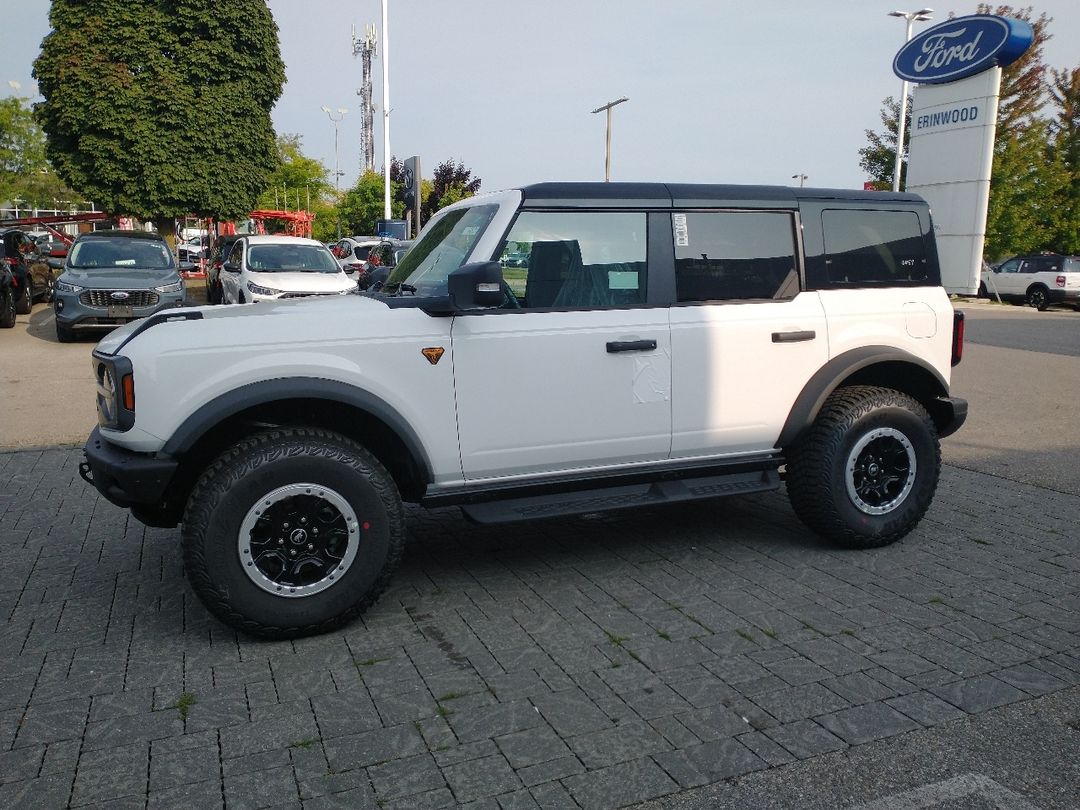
x: 880, y: 471
x: 298, y: 540
x: 1037, y: 298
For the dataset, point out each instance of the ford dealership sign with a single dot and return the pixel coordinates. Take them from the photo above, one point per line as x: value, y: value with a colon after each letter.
x: 962, y: 47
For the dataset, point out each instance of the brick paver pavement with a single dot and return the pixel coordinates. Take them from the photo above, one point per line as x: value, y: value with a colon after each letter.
x: 588, y: 662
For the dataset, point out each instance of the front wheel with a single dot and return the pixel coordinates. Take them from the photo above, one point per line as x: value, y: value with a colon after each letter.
x: 866, y: 471
x: 292, y: 532
x: 25, y: 300
x: 7, y: 308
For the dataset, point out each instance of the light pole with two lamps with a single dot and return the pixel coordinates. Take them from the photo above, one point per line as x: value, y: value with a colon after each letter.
x: 922, y: 15
x: 337, y: 170
x: 802, y: 178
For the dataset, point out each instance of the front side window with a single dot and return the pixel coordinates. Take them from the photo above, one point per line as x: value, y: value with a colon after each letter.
x: 290, y: 258
x: 120, y: 252
x: 735, y: 255
x: 566, y: 260
x: 1011, y: 266
x: 868, y: 248
x: 444, y: 247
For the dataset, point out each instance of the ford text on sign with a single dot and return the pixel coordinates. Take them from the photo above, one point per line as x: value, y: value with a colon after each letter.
x: 962, y: 47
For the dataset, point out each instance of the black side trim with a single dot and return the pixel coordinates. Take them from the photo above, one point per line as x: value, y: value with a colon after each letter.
x: 166, y: 315
x: 577, y: 482
x: 285, y: 388
x: 829, y: 376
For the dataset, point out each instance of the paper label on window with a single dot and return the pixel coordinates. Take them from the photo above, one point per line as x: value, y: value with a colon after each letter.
x: 682, y: 233
x: 622, y: 280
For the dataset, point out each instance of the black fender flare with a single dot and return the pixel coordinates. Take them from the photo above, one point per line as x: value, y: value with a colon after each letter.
x: 289, y: 388
x: 840, y: 368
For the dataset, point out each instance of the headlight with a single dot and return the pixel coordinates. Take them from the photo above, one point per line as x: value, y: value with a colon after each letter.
x: 175, y: 287
x: 257, y: 290
x: 63, y: 286
x: 115, y: 391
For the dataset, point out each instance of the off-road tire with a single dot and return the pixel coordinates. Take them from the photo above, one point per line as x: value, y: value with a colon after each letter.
x: 7, y: 308
x: 246, y: 473
x: 818, y: 478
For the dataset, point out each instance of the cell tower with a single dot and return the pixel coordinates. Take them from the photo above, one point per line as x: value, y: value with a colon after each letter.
x: 366, y: 48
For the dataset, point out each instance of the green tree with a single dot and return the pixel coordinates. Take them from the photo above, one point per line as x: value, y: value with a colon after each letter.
x: 161, y: 108
x: 363, y: 204
x: 878, y: 159
x: 450, y: 183
x: 1065, y: 147
x: 25, y: 174
x: 297, y: 177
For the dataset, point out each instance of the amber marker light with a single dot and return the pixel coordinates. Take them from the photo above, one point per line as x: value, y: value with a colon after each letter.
x: 129, y: 392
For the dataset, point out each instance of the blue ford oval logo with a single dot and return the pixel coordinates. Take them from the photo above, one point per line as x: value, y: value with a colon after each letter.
x: 120, y: 295
x: 962, y: 47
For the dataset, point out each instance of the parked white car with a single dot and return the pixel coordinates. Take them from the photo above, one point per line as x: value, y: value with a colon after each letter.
x: 263, y: 268
x: 1038, y: 280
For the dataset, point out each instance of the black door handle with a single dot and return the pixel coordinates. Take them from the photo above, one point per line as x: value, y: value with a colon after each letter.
x: 793, y: 337
x: 614, y: 346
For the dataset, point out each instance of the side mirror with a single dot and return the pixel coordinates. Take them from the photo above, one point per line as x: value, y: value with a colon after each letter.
x: 186, y: 267
x: 478, y: 285
x: 232, y: 267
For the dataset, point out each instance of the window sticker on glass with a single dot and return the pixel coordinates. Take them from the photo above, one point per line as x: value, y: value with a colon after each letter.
x: 682, y: 233
x: 622, y: 280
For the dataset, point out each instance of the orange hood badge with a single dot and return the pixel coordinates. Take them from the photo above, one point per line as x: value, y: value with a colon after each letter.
x: 433, y: 354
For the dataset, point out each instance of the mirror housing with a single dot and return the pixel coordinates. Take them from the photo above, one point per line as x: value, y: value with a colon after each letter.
x: 186, y: 267
x: 232, y: 267
x: 477, y: 285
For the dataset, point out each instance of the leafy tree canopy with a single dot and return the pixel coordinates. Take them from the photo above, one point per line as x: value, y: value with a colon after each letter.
x: 160, y: 108
x: 25, y: 174
x: 297, y: 177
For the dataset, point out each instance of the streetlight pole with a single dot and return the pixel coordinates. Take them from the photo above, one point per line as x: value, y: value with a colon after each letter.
x: 607, y: 148
x: 802, y: 178
x: 337, y: 170
x: 922, y: 15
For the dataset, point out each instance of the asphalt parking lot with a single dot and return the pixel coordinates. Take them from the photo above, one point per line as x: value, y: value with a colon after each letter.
x: 714, y: 655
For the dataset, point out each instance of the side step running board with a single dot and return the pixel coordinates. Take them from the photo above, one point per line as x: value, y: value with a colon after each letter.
x: 602, y: 500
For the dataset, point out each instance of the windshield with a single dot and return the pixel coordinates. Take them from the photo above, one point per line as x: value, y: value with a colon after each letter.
x: 284, y: 258
x: 120, y: 252
x: 443, y: 249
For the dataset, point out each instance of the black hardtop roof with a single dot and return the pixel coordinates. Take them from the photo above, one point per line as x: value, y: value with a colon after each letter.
x: 122, y: 234
x: 691, y: 195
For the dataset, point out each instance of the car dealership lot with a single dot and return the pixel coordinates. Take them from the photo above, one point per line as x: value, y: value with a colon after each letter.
x: 593, y: 662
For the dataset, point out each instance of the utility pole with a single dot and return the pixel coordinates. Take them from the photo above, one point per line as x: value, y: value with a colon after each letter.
x: 922, y: 15
x: 386, y: 110
x: 607, y: 148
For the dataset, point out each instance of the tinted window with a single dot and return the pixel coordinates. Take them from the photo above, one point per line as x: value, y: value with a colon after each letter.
x: 576, y: 259
x: 874, y: 247
x: 1011, y: 266
x: 728, y: 255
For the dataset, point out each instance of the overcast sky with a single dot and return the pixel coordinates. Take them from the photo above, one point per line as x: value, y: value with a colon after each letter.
x: 719, y: 92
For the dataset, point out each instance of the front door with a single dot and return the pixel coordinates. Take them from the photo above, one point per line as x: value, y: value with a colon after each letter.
x: 576, y: 375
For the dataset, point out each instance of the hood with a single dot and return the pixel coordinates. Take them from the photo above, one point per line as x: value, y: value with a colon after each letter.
x: 303, y: 281
x: 111, y: 278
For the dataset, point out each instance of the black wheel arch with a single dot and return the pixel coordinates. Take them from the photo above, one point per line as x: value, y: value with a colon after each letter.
x: 882, y: 366
x: 307, y: 402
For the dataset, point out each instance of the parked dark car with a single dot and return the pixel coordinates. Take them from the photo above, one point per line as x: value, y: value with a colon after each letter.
x: 18, y: 251
x: 381, y: 260
x: 218, y: 253
x: 7, y: 296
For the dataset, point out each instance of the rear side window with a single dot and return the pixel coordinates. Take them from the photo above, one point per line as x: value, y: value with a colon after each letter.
x: 869, y: 248
x: 735, y: 255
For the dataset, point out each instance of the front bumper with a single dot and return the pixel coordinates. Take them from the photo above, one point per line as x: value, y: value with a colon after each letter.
x: 72, y: 313
x: 124, y: 477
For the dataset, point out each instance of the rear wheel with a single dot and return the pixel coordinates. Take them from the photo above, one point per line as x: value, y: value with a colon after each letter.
x: 866, y: 471
x: 1038, y: 298
x: 292, y: 532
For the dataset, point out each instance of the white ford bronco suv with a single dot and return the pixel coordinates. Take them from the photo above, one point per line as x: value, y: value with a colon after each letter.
x: 643, y: 344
